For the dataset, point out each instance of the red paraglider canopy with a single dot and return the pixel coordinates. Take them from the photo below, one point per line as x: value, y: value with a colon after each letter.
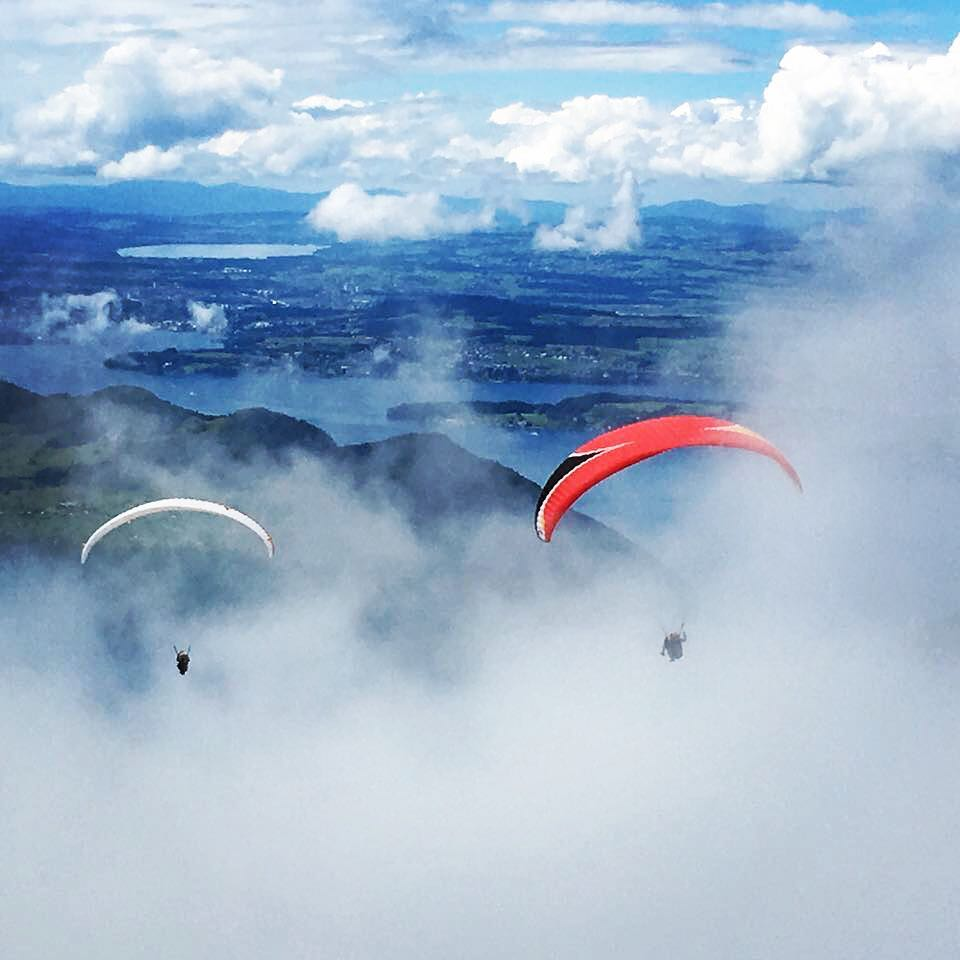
x: 612, y: 451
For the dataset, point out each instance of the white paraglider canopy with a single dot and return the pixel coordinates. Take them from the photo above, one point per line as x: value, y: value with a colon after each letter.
x: 176, y: 504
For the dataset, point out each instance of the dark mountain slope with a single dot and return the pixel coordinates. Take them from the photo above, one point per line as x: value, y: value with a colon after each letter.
x: 67, y: 463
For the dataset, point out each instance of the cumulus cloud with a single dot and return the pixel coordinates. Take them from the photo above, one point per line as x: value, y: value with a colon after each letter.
x: 340, y: 40
x: 761, y: 16
x: 209, y: 318
x: 386, y: 141
x: 83, y: 318
x: 299, y: 144
x: 822, y: 115
x: 157, y: 109
x: 152, y: 109
x: 320, y: 101
x: 354, y: 214
x: 617, y: 228
x: 142, y: 93
x: 584, y: 138
x: 143, y: 164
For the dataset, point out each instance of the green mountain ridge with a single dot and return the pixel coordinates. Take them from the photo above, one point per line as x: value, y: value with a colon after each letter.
x: 592, y: 411
x: 69, y: 463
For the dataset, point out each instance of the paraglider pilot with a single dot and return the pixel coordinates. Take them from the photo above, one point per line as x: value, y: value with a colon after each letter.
x: 673, y: 644
x: 183, y: 660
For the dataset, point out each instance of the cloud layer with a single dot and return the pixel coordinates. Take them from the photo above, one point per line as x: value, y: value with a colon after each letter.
x: 466, y: 744
x: 141, y: 96
x: 154, y: 109
x: 822, y: 115
x: 353, y: 214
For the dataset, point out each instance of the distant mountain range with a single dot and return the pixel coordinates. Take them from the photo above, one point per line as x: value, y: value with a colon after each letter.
x: 156, y: 197
x: 174, y: 198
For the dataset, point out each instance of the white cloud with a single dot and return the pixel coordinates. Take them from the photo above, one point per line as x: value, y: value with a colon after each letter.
x: 79, y: 22
x: 299, y: 143
x: 85, y: 318
x: 143, y: 164
x: 761, y: 16
x: 227, y: 144
x: 306, y: 145
x: 320, y: 101
x: 617, y: 228
x: 585, y: 138
x: 385, y: 142
x: 149, y: 109
x: 353, y: 214
x: 209, y: 318
x: 465, y: 744
x: 141, y: 94
x: 238, y: 24
x: 822, y: 114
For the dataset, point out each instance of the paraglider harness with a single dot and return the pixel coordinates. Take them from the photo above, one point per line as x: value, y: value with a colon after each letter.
x: 183, y: 660
x: 673, y: 644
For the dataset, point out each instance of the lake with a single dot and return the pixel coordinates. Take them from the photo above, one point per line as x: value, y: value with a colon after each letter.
x: 354, y: 410
x: 221, y: 251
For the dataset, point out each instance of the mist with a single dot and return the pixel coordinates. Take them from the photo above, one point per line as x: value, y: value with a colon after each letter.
x: 463, y: 742
x: 84, y: 318
x: 617, y: 228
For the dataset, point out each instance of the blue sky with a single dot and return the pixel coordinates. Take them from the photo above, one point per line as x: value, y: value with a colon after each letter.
x: 501, y: 99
